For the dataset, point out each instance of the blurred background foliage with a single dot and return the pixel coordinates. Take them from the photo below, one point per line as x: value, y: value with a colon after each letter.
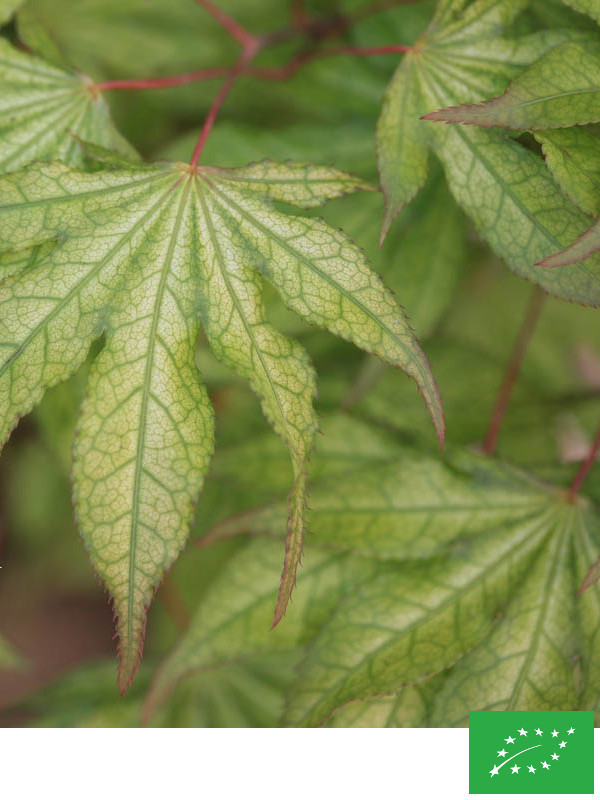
x: 56, y: 649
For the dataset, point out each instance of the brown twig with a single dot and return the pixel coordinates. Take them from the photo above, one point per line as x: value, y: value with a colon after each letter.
x: 241, y: 35
x: 164, y: 83
x: 585, y: 467
x: 532, y: 314
x: 246, y: 56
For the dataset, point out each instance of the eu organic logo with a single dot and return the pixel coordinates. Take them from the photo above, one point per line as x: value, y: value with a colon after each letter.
x: 531, y: 752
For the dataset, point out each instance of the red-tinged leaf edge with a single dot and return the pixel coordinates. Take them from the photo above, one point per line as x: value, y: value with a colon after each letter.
x: 294, y: 541
x: 455, y: 115
x: 593, y: 574
x: 584, y: 247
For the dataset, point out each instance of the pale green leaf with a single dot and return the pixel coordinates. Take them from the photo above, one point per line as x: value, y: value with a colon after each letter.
x: 146, y: 255
x: 233, y: 621
x: 437, y: 509
x: 409, y: 708
x: 476, y: 583
x: 559, y: 90
x: 407, y: 624
x: 583, y: 248
x: 573, y: 157
x: 402, y: 152
x: 536, y: 656
x: 502, y: 186
x: 44, y: 109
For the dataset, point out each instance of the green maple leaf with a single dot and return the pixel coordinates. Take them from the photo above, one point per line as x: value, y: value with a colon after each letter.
x: 475, y: 583
x: 505, y: 188
x: 44, y: 109
x: 146, y: 255
x: 559, y: 90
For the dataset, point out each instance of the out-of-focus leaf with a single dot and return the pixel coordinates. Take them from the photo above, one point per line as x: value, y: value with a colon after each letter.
x: 509, y: 591
x: 44, y: 109
x: 233, y: 620
x: 410, y: 708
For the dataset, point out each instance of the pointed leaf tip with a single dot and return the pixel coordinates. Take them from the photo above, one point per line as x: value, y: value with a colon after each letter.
x: 582, y: 248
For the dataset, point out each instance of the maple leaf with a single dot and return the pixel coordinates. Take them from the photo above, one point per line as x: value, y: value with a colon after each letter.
x: 559, y: 90
x: 44, y: 109
x: 476, y: 583
x: 144, y: 255
x: 505, y: 188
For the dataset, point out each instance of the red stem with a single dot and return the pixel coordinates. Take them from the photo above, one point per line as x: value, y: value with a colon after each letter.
x: 246, y: 56
x: 583, y: 470
x: 244, y: 37
x: 164, y: 83
x: 299, y: 15
x: 532, y: 314
x: 290, y: 69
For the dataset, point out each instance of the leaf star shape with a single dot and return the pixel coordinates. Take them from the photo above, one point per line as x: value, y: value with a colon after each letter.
x: 572, y: 730
x: 554, y: 757
x: 531, y: 768
x: 545, y: 764
x: 148, y: 255
x: 554, y: 733
x: 510, y: 740
x: 494, y: 771
x: 523, y: 732
x: 502, y: 753
x: 515, y: 768
x: 562, y: 744
x: 538, y: 732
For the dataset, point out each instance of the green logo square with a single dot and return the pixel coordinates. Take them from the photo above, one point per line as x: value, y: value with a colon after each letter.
x: 531, y: 752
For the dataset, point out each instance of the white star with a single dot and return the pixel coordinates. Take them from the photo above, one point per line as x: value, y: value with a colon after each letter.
x: 510, y: 740
x: 531, y: 768
x: 562, y: 744
x: 545, y: 765
x: 522, y: 732
x: 502, y: 753
x: 538, y: 732
x: 554, y: 733
x: 571, y: 731
x: 494, y: 771
x: 554, y: 757
x: 515, y: 768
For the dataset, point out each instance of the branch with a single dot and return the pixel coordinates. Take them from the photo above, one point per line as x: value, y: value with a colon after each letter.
x: 299, y: 16
x: 584, y: 469
x: 241, y: 35
x: 292, y: 67
x: 247, y: 55
x: 532, y: 314
x: 164, y: 83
